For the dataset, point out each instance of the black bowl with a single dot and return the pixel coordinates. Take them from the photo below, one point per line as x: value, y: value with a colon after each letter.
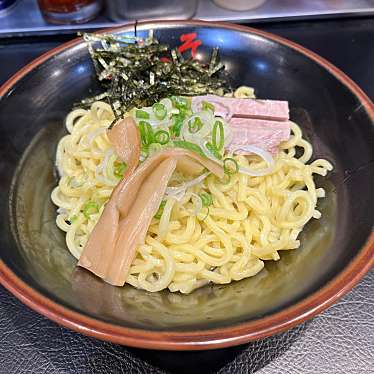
x: 336, y: 117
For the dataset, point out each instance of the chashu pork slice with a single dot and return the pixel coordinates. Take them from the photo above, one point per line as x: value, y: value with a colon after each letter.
x: 263, y: 134
x: 274, y: 110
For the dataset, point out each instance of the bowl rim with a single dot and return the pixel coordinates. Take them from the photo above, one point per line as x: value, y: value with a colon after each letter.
x: 210, y: 338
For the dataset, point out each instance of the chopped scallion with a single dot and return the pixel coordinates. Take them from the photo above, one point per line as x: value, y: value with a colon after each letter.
x: 180, y: 102
x: 154, y: 147
x: 119, y: 169
x: 195, y: 125
x: 190, y: 146
x: 205, y: 105
x: 90, y: 207
x: 221, y: 137
x: 206, y: 198
x: 159, y: 110
x: 160, y: 210
x: 146, y: 133
x: 213, y: 150
x: 177, y: 124
x: 230, y: 166
x: 145, y: 150
x: 161, y: 137
x: 142, y: 114
x: 72, y: 219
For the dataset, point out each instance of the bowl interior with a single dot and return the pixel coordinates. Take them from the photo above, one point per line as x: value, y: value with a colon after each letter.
x: 332, y: 119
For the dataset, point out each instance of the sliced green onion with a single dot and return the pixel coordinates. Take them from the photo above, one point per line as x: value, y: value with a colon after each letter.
x: 174, y: 111
x: 72, y: 219
x: 119, y: 169
x: 149, y: 136
x: 206, y: 198
x: 90, y: 207
x: 154, y: 147
x: 221, y: 140
x: 213, y: 150
x: 160, y: 210
x: 142, y: 130
x: 205, y: 105
x: 195, y: 125
x: 161, y: 137
x: 180, y: 102
x: 159, y: 110
x: 230, y: 166
x: 177, y: 124
x: 146, y: 132
x: 190, y: 146
x: 145, y: 150
x: 141, y: 114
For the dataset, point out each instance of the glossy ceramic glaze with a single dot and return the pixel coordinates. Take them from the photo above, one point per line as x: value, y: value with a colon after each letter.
x: 336, y: 117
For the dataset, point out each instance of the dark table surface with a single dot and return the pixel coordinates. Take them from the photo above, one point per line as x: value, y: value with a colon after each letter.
x: 340, y: 340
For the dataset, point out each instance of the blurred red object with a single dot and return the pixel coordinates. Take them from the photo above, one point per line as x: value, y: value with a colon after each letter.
x: 69, y: 11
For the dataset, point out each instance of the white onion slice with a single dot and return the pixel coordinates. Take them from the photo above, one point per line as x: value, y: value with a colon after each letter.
x: 167, y: 104
x: 190, y: 183
x: 177, y: 195
x: 206, y: 118
x: 226, y: 113
x: 179, y: 192
x: 199, y: 203
x: 266, y: 156
x: 153, y: 123
x: 149, y: 110
x: 103, y: 167
x: 94, y: 134
x: 108, y: 154
x: 207, y: 153
x: 153, y: 120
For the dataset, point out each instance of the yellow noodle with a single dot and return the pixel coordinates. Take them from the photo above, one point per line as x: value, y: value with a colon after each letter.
x: 251, y: 219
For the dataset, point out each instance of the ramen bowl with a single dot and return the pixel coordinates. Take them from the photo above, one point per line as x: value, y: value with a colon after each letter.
x: 336, y: 251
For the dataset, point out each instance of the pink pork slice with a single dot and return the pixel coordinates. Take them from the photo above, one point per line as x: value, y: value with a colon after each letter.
x: 263, y: 134
x: 274, y: 110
